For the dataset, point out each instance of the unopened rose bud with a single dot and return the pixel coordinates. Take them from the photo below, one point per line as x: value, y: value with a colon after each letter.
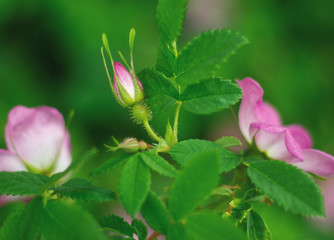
x: 128, y: 89
x: 130, y: 145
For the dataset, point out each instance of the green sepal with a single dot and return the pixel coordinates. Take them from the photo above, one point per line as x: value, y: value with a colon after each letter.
x: 169, y: 135
x: 132, y: 35
x: 139, y: 93
x: 106, y: 46
x: 123, y: 93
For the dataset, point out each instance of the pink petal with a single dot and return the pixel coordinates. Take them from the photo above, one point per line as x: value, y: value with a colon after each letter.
x: 10, y: 162
x: 317, y: 162
x: 301, y: 135
x: 251, y: 97
x: 125, y: 78
x: 65, y: 156
x: 35, y: 134
x: 252, y: 109
x: 276, y: 141
x: 266, y: 113
x: 328, y: 193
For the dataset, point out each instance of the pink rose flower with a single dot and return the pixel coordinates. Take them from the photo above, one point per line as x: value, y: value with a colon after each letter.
x: 36, y: 137
x: 258, y: 120
x: 37, y: 140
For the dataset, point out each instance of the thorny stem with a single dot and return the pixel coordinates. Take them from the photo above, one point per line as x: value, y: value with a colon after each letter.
x: 176, y: 119
x: 151, y: 132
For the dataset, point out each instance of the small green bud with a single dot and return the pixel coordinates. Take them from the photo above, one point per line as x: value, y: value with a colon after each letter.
x: 130, y: 145
x: 142, y: 145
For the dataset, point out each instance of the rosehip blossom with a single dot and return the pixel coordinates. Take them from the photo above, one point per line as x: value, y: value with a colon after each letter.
x: 128, y: 90
x: 259, y: 120
x: 37, y: 140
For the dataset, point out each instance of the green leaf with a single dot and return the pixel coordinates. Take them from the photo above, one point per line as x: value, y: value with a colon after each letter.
x: 256, y: 227
x: 210, y: 96
x: 183, y: 151
x: 157, y: 163
x: 134, y: 184
x: 81, y: 189
x: 160, y: 92
x: 228, y: 142
x: 30, y: 220
x: 21, y: 183
x: 194, y: 183
x: 140, y: 229
x: 116, y: 224
x: 110, y: 164
x: 254, y: 195
x: 9, y: 229
x: 203, y: 56
x: 288, y: 186
x: 170, y: 16
x: 208, y: 225
x: 155, y: 213
x: 177, y: 231
x: 166, y: 59
x: 69, y: 221
x: 8, y: 208
x: 24, y: 225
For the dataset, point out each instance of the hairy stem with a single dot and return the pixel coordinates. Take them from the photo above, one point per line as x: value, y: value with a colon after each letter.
x: 151, y: 132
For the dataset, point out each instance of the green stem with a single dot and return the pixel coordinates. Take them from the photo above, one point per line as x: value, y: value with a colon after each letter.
x: 151, y: 132
x: 176, y: 120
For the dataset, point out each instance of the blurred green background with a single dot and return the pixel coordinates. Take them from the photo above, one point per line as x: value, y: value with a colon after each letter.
x: 50, y: 55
